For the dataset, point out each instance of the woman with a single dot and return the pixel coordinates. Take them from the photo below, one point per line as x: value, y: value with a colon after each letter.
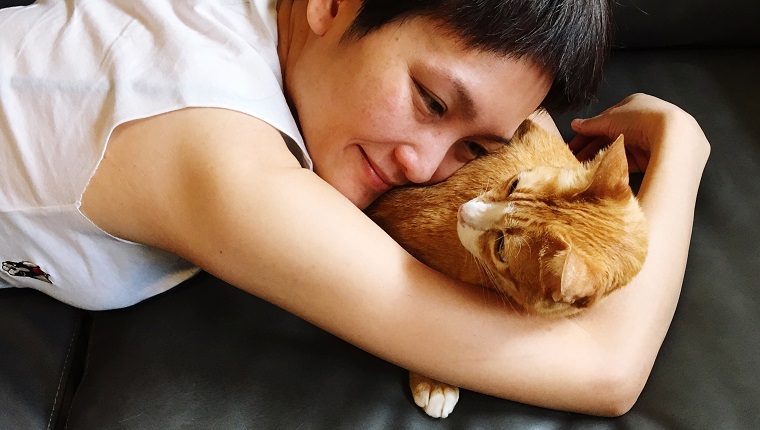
x: 141, y: 132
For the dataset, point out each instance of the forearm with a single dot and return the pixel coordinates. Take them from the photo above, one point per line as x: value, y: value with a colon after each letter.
x: 633, y: 322
x: 365, y: 289
x: 288, y: 237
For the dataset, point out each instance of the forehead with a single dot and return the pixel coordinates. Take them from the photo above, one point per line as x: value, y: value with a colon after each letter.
x: 498, y: 86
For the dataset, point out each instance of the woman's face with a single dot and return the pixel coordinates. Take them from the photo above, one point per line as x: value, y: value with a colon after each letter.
x: 405, y: 104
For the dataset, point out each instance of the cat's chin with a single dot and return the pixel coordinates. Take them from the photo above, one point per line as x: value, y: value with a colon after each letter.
x: 555, y: 310
x: 531, y: 305
x: 539, y: 309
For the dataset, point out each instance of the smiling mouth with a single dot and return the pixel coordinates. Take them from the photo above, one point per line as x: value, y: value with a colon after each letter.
x: 375, y: 181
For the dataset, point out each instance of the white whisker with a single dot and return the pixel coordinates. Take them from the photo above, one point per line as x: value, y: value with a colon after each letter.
x: 489, y: 274
x: 486, y: 187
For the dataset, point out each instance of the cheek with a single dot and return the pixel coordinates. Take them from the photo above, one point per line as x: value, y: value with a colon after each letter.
x: 384, y: 113
x: 449, y: 165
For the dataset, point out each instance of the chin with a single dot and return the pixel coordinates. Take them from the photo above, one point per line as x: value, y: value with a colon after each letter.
x: 360, y: 198
x: 363, y: 202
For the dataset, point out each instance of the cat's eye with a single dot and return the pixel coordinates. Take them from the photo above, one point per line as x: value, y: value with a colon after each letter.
x: 513, y: 186
x: 499, y: 247
x: 432, y: 104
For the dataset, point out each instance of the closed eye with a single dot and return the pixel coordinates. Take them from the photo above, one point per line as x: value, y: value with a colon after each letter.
x: 476, y: 149
x: 432, y: 104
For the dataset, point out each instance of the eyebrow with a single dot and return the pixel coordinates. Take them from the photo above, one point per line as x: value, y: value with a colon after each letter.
x: 463, y: 99
x: 498, y: 139
x: 467, y: 105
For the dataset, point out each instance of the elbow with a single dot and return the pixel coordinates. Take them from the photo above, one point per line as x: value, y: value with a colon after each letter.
x: 620, y: 400
x: 615, y: 390
x: 602, y: 387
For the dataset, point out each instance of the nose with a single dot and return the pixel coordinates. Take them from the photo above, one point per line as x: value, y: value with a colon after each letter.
x: 422, y: 160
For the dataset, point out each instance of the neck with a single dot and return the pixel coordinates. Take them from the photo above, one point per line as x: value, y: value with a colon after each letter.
x: 292, y: 30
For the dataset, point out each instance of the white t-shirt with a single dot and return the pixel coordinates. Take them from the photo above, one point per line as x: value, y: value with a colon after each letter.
x: 73, y: 70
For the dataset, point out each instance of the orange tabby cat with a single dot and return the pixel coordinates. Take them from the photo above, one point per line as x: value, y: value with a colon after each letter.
x: 552, y: 234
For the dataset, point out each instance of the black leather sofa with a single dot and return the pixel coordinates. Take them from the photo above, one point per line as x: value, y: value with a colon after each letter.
x: 207, y: 356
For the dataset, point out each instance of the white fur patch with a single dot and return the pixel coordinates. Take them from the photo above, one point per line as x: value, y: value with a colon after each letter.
x: 469, y: 238
x: 436, y: 398
x: 482, y: 216
x: 566, y: 179
x: 477, y: 217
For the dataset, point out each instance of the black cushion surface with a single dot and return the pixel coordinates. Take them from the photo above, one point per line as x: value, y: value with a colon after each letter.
x: 40, y: 353
x: 694, y: 23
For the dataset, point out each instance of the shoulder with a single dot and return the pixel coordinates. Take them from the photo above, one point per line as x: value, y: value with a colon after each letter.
x: 188, y: 138
x: 223, y: 135
x: 157, y: 169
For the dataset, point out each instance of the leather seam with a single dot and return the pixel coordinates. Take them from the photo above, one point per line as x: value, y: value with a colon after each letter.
x: 63, y: 373
x: 84, y: 373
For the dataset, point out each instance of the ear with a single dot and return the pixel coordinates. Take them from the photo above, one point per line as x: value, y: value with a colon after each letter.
x: 567, y: 277
x: 321, y: 14
x: 611, y: 174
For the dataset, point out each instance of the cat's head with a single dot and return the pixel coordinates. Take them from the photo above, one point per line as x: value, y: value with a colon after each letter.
x: 556, y: 240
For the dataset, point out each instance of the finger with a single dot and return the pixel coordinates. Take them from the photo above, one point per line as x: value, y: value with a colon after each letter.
x: 578, y: 142
x: 638, y: 159
x: 594, y: 126
x: 590, y: 150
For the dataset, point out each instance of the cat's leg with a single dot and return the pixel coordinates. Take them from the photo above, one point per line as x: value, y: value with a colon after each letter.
x: 436, y: 398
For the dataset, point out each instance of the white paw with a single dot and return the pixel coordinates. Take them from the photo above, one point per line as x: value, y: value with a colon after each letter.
x: 436, y: 398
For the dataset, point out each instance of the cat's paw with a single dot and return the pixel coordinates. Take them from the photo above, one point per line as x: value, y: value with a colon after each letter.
x: 436, y: 398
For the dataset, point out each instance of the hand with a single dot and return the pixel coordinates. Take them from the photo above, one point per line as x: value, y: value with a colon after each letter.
x: 647, y: 124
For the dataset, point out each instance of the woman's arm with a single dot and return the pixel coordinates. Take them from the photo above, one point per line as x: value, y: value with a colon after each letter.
x: 670, y: 146
x: 224, y: 192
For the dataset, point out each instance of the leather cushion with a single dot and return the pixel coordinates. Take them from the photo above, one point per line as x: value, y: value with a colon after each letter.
x: 695, y: 23
x: 40, y: 351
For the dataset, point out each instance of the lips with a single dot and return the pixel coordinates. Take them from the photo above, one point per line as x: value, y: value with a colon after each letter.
x: 374, y: 176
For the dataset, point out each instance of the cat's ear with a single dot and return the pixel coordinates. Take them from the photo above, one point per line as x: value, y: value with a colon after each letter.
x: 610, y: 178
x: 567, y: 277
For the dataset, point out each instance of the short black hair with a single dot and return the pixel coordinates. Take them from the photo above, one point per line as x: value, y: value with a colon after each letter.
x: 570, y: 39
